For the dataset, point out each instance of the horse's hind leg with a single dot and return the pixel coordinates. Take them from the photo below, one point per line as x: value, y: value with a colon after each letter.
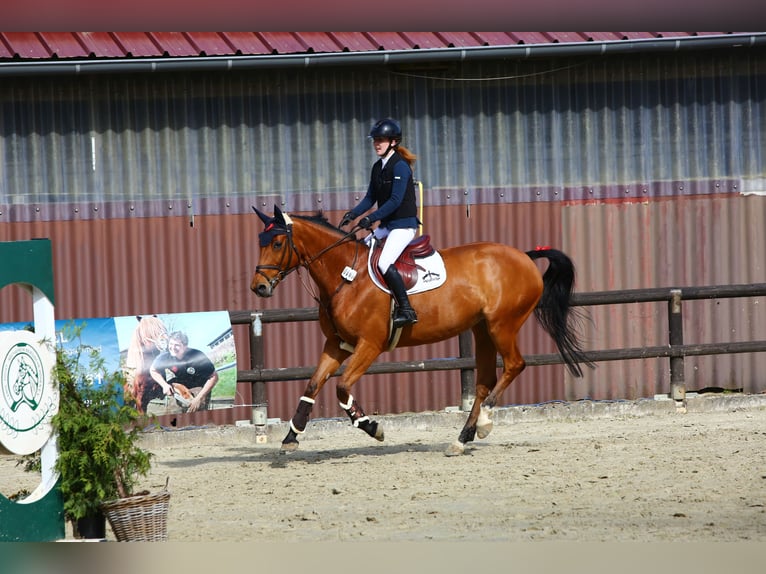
x: 478, y: 422
x: 513, y: 365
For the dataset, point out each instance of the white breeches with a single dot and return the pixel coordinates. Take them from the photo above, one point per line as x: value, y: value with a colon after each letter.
x: 397, y: 240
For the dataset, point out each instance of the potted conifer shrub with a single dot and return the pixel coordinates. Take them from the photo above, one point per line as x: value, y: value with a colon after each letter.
x: 99, y: 456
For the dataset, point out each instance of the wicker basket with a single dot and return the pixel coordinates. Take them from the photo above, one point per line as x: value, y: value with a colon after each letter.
x: 141, y: 518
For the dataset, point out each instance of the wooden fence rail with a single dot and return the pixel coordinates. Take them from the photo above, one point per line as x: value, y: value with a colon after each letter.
x: 675, y: 350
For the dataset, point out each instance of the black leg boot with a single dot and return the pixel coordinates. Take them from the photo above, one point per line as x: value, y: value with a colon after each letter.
x: 404, y: 314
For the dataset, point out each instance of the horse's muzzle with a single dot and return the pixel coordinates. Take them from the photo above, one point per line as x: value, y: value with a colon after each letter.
x: 262, y: 289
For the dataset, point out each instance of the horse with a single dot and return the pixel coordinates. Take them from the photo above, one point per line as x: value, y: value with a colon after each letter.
x: 491, y: 289
x: 149, y: 339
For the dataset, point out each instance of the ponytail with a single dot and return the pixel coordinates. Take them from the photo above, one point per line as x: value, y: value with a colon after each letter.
x: 406, y: 154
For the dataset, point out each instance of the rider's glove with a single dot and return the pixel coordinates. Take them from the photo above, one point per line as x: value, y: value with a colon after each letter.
x: 346, y: 219
x: 365, y: 222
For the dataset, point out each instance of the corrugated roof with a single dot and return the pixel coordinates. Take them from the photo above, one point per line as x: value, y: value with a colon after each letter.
x: 74, y: 45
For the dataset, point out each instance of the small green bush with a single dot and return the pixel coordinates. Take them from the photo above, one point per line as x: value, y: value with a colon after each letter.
x: 99, y: 456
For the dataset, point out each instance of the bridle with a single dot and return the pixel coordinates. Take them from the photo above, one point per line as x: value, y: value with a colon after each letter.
x: 284, y: 268
x: 281, y: 269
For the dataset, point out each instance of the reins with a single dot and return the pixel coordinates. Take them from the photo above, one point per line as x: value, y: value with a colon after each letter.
x: 328, y: 248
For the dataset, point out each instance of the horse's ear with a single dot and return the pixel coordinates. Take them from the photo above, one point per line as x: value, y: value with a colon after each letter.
x: 265, y: 218
x: 278, y: 215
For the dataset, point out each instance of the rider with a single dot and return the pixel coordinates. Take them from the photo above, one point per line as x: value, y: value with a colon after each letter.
x: 393, y: 189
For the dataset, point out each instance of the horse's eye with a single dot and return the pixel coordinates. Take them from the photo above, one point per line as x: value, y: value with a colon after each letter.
x: 277, y: 245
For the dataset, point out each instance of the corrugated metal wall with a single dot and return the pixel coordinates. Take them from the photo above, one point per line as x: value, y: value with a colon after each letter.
x: 648, y: 170
x: 702, y: 240
x: 509, y: 131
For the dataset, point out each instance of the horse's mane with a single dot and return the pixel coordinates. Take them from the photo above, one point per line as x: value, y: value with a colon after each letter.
x: 321, y: 219
x: 150, y: 328
x: 317, y: 217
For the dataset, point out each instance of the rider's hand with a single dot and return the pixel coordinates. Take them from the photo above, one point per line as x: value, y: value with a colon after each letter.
x: 346, y: 219
x: 365, y: 222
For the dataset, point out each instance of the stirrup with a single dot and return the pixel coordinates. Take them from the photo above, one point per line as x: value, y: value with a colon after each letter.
x: 404, y: 317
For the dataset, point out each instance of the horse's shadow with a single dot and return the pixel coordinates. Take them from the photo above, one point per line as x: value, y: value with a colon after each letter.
x: 277, y: 459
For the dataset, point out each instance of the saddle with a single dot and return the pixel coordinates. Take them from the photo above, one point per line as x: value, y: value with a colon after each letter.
x: 406, y: 266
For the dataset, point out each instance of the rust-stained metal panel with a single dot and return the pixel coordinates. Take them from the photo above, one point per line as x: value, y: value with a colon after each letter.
x: 161, y: 265
x: 684, y: 242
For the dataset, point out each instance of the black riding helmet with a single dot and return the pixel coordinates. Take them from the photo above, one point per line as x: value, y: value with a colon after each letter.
x: 387, y: 128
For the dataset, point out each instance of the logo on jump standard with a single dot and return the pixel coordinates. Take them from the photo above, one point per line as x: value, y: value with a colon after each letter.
x: 25, y: 403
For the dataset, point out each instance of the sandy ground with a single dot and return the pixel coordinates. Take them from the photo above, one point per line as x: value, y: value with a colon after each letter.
x: 622, y: 474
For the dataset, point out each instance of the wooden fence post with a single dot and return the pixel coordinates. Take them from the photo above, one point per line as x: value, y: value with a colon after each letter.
x: 676, y: 337
x: 259, y: 408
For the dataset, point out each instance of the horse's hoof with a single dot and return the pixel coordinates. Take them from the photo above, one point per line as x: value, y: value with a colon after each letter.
x: 372, y: 428
x: 455, y: 449
x: 484, y: 423
x: 288, y: 447
x: 483, y: 431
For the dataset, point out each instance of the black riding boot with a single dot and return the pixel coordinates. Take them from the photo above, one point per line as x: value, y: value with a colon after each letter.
x: 404, y: 314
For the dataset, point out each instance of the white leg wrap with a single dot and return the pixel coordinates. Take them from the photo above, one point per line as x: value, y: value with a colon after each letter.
x: 308, y: 400
x: 295, y: 430
x: 347, y: 406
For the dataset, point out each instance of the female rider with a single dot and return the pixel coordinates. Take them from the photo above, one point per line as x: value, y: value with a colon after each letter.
x: 393, y: 190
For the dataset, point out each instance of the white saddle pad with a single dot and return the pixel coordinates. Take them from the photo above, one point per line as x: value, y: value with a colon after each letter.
x: 431, y: 273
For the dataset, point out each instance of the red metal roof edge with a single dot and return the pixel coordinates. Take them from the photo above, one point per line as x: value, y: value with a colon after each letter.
x: 22, y: 46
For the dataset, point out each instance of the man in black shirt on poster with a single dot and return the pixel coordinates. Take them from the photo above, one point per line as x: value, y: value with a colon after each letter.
x: 186, y: 366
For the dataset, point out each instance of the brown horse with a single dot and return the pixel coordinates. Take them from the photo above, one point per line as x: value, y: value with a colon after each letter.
x: 149, y: 340
x: 491, y: 289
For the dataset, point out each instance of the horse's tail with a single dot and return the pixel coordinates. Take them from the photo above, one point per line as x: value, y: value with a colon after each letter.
x: 554, y: 310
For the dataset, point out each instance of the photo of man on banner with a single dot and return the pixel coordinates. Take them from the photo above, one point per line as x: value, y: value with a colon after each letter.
x: 185, y: 373
x: 172, y: 365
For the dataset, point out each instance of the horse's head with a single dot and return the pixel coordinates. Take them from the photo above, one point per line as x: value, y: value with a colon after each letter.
x: 278, y: 254
x: 152, y: 333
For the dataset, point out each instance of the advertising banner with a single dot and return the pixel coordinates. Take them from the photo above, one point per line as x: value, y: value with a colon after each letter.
x: 172, y: 363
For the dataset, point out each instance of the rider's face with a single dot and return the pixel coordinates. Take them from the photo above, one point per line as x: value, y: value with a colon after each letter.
x: 381, y: 145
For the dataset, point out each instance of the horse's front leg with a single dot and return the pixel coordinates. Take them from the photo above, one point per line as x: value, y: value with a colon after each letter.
x: 361, y: 359
x: 331, y: 358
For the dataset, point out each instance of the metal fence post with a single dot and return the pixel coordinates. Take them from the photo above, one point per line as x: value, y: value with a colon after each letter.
x: 676, y: 337
x: 259, y: 408
x: 467, y: 386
